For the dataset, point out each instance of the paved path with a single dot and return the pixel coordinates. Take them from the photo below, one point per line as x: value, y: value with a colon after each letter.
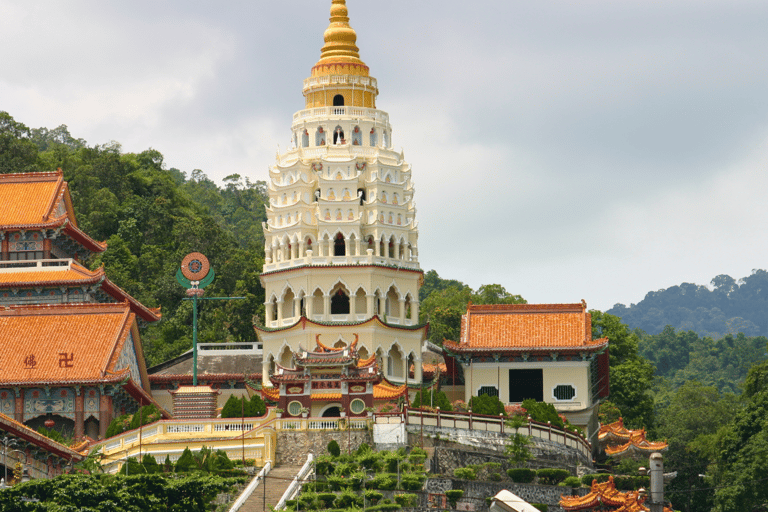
x: 277, y: 481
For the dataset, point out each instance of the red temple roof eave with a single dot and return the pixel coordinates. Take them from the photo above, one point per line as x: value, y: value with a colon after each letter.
x: 111, y: 379
x: 147, y: 314
x: 9, y: 425
x: 86, y: 241
x: 560, y: 349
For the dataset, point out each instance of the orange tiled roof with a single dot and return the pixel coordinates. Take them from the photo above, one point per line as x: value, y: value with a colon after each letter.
x: 37, y: 342
x: 614, y: 431
x: 40, y: 200
x: 29, y: 199
x: 385, y: 390
x: 272, y: 394
x: 78, y: 275
x: 637, y: 445
x: 10, y: 426
x: 326, y: 396
x: 526, y: 326
x: 605, y: 496
x: 49, y: 276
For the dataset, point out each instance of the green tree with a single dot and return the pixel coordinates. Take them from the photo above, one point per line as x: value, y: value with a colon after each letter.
x: 432, y: 398
x: 631, y: 376
x: 486, y: 404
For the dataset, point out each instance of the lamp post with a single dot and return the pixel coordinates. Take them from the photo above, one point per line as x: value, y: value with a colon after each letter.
x: 6, y: 442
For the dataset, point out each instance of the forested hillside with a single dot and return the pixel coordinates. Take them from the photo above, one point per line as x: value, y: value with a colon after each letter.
x: 730, y: 307
x: 151, y: 218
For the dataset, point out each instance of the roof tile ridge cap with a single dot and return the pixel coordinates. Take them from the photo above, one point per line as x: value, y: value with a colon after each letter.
x: 20, y: 177
x: 29, y: 430
x: 125, y: 329
x: 60, y: 183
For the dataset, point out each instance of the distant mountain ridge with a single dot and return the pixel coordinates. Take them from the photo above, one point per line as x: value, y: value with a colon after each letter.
x: 730, y: 307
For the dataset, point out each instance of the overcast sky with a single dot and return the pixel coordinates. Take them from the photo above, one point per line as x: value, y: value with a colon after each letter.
x: 566, y: 150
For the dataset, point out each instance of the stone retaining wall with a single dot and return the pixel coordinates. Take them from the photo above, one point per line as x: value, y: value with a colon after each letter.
x: 294, y: 445
x: 457, y: 448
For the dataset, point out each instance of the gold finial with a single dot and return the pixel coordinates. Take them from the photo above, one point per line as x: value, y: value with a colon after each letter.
x: 339, y: 37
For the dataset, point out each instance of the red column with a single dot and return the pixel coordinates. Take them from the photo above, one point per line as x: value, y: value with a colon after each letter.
x: 105, y: 414
x: 18, y: 412
x: 79, y: 413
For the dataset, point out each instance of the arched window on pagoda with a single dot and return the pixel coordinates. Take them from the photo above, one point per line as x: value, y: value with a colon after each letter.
x: 339, y: 247
x: 357, y: 136
x: 361, y: 195
x: 320, y: 137
x: 338, y: 100
x: 305, y: 139
x: 340, y: 303
x: 395, y: 363
x: 361, y: 301
x: 374, y: 139
x: 338, y: 135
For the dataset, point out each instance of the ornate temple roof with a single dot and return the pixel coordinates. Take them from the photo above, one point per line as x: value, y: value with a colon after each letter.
x: 12, y: 427
x: 70, y: 275
x: 620, y: 442
x: 64, y: 344
x: 526, y: 327
x: 605, y: 496
x: 40, y: 200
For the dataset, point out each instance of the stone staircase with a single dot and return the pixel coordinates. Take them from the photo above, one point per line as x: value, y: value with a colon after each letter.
x: 278, y: 480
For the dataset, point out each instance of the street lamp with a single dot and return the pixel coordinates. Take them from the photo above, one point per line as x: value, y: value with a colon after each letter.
x: 6, y: 442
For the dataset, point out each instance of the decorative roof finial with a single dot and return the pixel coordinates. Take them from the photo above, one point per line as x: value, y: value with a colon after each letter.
x: 339, y: 37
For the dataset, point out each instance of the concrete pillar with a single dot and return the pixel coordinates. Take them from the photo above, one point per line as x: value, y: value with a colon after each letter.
x: 396, y: 250
x: 269, y: 311
x: 265, y: 371
x: 268, y: 254
x: 279, y: 306
x: 296, y: 307
x: 417, y: 370
x: 302, y: 251
x: 357, y: 247
x: 377, y: 248
x: 369, y: 304
x: 310, y: 305
x: 347, y: 248
x: 402, y: 310
x: 382, y: 305
x: 326, y: 306
x: 386, y: 248
x: 415, y: 312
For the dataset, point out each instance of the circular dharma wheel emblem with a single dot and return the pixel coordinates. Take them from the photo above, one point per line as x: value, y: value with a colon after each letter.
x: 195, y: 266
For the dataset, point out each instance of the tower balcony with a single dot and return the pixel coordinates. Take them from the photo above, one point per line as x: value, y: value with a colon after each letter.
x: 325, y: 261
x: 338, y: 113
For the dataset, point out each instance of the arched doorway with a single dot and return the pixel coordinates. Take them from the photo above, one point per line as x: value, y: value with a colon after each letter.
x: 332, y: 412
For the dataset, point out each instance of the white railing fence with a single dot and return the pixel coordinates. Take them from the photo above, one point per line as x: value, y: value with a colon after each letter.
x: 248, y: 491
x: 295, y: 485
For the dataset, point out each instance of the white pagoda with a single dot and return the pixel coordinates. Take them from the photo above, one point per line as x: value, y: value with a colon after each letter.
x: 341, y: 257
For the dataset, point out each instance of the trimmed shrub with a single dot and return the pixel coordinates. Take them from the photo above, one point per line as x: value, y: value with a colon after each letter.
x: 431, y: 398
x: 453, y: 496
x: 186, y: 462
x: 372, y: 496
x: 521, y: 475
x: 308, y: 501
x: 385, y: 507
x: 336, y: 483
x: 486, y: 404
x: 150, y: 464
x: 412, y: 481
x: 406, y: 500
x: 552, y: 476
x: 326, y: 498
x: 347, y: 499
x: 542, y: 412
x: 495, y: 477
x: 631, y: 483
x: 571, y: 481
x: 383, y: 481
x: 333, y: 448
x: 464, y: 473
x: 587, y: 479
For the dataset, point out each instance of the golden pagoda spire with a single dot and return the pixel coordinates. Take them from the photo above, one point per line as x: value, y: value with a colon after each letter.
x: 339, y: 38
x: 340, y: 78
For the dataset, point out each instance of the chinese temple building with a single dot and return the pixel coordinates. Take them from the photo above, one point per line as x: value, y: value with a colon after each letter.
x: 619, y: 442
x: 540, y: 351
x: 605, y: 497
x: 334, y: 378
x: 341, y: 237
x: 70, y: 350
